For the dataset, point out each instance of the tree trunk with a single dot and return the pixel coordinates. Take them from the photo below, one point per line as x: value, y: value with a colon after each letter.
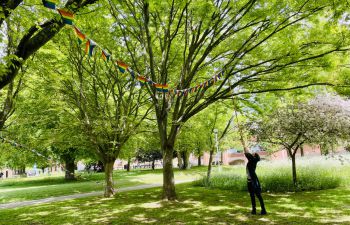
x: 294, y: 170
x: 209, y: 165
x: 179, y: 160
x: 153, y: 166
x: 301, y: 151
x: 109, y: 186
x: 70, y: 166
x: 185, y: 160
x: 169, y: 192
x: 128, y: 166
x: 199, y: 161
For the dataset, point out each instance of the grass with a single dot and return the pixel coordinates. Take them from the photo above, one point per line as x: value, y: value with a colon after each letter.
x: 13, y: 190
x: 315, y: 178
x: 313, y: 174
x: 196, y: 205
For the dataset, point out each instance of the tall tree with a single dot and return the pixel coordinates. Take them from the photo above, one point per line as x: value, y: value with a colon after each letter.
x: 109, y: 107
x: 260, y: 45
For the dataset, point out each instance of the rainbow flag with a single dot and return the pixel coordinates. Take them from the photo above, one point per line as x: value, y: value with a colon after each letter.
x: 89, y: 48
x: 105, y: 55
x: 51, y: 4
x: 142, y: 80
x: 161, y: 87
x: 122, y: 66
x: 80, y: 35
x: 67, y: 16
x: 220, y: 75
x: 132, y: 73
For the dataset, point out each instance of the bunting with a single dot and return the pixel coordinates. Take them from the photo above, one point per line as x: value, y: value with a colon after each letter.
x: 81, y: 37
x: 67, y: 16
x: 122, y: 66
x: 105, y: 55
x: 51, y: 4
x: 89, y: 48
x: 142, y: 80
x: 132, y: 73
x: 161, y: 87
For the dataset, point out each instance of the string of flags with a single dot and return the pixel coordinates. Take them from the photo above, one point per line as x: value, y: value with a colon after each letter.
x: 15, y: 144
x: 90, y: 46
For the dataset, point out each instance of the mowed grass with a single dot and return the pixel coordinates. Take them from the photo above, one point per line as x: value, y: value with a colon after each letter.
x: 21, y: 189
x: 196, y: 205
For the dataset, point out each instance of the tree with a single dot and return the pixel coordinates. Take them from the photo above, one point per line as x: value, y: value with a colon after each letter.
x: 35, y: 35
x: 185, y: 43
x: 109, y: 107
x: 322, y: 120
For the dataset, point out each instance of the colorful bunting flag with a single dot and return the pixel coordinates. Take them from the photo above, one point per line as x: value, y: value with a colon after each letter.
x: 51, y: 4
x: 67, y: 16
x: 80, y: 35
x: 132, y: 73
x: 142, y: 80
x: 161, y: 87
x: 122, y: 66
x: 90, y: 45
x: 105, y: 55
x: 149, y: 81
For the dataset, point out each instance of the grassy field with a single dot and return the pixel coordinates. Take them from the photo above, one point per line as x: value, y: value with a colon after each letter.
x: 14, y: 190
x: 195, y: 205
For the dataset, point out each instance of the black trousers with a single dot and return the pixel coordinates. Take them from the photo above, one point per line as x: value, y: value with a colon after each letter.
x: 254, y: 192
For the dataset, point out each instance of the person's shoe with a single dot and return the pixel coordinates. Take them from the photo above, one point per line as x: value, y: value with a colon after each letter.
x: 263, y: 212
x: 253, y: 211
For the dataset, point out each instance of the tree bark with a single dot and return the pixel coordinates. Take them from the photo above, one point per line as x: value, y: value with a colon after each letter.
x: 185, y: 159
x: 109, y: 186
x: 128, y: 166
x: 209, y: 165
x: 301, y: 151
x: 199, y: 161
x: 179, y: 160
x: 70, y: 166
x: 294, y: 171
x: 169, y: 192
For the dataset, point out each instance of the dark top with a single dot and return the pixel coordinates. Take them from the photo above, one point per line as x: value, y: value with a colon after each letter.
x: 251, y: 175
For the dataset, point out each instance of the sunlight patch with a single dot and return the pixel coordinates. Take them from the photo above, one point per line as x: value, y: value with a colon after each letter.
x: 151, y: 205
x: 42, y: 213
x: 194, y: 203
x: 343, y: 220
x: 142, y: 218
x: 216, y: 208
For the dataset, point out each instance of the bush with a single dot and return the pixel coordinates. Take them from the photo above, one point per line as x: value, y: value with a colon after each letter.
x: 277, y: 179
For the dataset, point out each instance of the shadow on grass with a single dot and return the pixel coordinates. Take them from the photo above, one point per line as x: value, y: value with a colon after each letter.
x: 196, y: 205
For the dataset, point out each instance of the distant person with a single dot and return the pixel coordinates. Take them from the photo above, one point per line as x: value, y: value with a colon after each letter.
x: 254, y: 187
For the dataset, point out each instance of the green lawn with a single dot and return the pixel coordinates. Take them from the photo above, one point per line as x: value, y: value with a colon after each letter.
x: 14, y: 190
x: 196, y: 205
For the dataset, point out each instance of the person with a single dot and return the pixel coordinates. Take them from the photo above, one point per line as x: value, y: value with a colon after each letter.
x: 253, y: 183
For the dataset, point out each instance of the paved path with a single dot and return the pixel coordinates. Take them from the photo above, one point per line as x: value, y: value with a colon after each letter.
x: 75, y: 196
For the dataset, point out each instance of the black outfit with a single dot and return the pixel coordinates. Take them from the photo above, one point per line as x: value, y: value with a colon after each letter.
x: 254, y: 187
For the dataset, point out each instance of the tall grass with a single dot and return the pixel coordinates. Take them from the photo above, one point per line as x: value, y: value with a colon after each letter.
x: 312, y: 174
